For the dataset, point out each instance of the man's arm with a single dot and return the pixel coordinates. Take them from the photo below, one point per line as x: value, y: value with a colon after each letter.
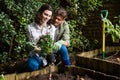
x: 66, y: 34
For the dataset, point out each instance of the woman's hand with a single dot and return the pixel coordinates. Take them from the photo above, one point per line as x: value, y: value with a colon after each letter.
x: 66, y: 43
x: 36, y: 48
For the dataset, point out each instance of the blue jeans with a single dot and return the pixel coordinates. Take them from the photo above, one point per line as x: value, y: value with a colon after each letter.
x: 34, y: 62
x: 63, y: 52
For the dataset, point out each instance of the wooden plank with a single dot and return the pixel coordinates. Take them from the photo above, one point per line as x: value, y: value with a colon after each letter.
x: 89, y: 53
x: 22, y: 76
x: 26, y: 75
x: 10, y: 76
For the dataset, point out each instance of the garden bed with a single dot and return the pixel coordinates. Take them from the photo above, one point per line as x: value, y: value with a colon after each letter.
x: 75, y: 73
x: 60, y: 76
x: 70, y: 73
x: 110, y: 65
x: 27, y: 75
x: 88, y: 66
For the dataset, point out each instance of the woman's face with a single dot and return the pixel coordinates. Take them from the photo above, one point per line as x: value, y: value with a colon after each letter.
x: 46, y: 16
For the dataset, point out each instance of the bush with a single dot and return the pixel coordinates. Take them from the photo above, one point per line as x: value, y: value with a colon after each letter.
x: 16, y: 14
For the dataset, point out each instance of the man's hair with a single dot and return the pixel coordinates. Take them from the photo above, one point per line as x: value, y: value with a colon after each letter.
x: 40, y: 11
x: 61, y: 12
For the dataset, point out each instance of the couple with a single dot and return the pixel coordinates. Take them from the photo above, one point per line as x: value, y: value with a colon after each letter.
x: 58, y: 30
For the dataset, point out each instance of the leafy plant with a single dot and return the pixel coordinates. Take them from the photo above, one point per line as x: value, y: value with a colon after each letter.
x: 46, y: 44
x: 77, y: 39
x: 79, y: 10
x: 14, y: 18
x: 7, y: 32
x: 114, y: 31
x: 117, y: 20
x: 16, y: 14
x: 4, y: 57
x: 23, y: 11
x: 78, y: 13
x: 2, y: 77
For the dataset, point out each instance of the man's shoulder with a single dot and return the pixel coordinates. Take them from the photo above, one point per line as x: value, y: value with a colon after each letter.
x: 65, y: 23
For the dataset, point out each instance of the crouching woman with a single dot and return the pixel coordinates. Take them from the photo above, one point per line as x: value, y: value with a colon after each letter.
x: 35, y: 30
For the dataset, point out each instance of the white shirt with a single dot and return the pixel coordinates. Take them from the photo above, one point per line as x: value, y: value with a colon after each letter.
x: 34, y: 31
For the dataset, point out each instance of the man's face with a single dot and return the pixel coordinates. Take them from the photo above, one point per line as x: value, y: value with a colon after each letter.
x: 46, y: 16
x: 58, y: 20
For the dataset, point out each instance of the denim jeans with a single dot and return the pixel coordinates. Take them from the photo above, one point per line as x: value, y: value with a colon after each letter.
x: 34, y: 62
x: 63, y: 52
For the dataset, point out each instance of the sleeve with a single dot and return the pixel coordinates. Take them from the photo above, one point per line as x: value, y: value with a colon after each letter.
x: 57, y: 45
x: 66, y: 34
x: 29, y: 35
x: 29, y: 43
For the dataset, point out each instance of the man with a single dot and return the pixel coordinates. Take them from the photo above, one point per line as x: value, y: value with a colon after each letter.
x: 62, y: 37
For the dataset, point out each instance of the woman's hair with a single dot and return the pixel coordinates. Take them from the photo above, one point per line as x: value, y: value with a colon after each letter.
x: 61, y: 12
x: 40, y: 11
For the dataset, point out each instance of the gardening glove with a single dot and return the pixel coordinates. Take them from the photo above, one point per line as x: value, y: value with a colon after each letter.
x: 57, y: 45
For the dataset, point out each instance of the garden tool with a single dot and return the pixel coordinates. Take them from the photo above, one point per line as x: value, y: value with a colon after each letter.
x: 104, y: 14
x: 51, y: 59
x: 50, y: 71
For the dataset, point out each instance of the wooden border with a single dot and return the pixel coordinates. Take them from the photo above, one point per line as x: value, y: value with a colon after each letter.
x: 97, y: 64
x: 26, y: 75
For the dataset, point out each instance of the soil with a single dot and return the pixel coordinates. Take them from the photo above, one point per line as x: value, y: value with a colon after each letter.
x: 112, y: 56
x: 18, y: 67
x: 13, y: 67
x: 60, y: 76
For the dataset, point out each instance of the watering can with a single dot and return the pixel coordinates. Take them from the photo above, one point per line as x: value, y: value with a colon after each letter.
x: 104, y: 14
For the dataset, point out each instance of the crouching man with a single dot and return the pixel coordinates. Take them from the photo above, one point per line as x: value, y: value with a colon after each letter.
x: 62, y: 36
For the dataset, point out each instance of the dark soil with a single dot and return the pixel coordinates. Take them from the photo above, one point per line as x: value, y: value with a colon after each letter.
x: 111, y: 56
x: 13, y: 67
x: 114, y: 57
x: 60, y: 76
x: 20, y: 66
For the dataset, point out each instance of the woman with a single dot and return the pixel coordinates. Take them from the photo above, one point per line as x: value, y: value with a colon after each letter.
x: 36, y: 29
